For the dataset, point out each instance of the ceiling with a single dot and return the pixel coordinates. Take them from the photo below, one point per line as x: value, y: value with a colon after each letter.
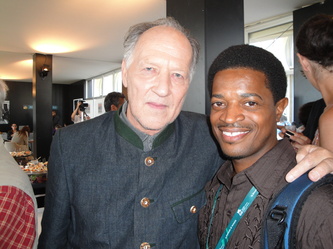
x: 85, y: 36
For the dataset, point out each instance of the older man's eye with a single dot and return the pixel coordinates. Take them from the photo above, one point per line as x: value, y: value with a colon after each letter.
x: 178, y: 75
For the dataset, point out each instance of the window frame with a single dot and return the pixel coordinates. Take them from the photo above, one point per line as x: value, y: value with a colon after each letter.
x: 95, y: 99
x: 270, y: 24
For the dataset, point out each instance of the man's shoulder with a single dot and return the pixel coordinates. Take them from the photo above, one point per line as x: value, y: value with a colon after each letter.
x: 192, y: 115
x: 93, y: 123
x: 320, y: 201
x: 86, y: 130
x: 193, y: 118
x: 314, y: 228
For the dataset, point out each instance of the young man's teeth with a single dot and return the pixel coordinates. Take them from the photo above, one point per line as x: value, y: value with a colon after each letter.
x: 232, y: 134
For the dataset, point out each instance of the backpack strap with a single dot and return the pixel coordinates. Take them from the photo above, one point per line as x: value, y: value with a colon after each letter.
x: 282, y: 215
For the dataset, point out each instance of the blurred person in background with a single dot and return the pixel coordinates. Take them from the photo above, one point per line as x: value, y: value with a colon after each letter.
x: 21, y: 138
x: 55, y: 121
x: 113, y: 101
x: 314, y: 44
x: 18, y: 208
x: 308, y: 118
x: 55, y: 118
x: 79, y: 114
x: 12, y: 131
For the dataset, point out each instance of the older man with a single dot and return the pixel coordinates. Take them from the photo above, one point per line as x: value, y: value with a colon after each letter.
x: 134, y: 178
x: 18, y: 208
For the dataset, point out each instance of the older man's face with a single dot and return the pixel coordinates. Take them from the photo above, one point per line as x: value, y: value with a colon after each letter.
x: 157, y: 79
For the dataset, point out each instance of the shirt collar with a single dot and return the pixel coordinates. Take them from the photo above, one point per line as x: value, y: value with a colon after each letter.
x: 136, y: 137
x: 273, y: 165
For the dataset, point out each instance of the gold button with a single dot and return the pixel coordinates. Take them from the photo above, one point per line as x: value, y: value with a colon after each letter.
x: 144, y: 245
x: 149, y: 161
x: 145, y: 202
x: 193, y: 209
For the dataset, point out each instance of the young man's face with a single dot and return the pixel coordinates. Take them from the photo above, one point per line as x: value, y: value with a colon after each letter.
x: 243, y: 114
x: 157, y: 79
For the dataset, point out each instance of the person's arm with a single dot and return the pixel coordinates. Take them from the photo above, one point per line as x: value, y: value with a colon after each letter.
x: 17, y: 218
x: 86, y: 117
x: 313, y: 157
x: 297, y: 140
x: 75, y: 111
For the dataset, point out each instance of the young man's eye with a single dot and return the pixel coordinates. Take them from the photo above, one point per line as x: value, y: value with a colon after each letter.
x: 251, y: 103
x: 217, y: 104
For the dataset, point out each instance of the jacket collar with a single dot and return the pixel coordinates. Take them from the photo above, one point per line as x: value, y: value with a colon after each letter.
x: 130, y: 136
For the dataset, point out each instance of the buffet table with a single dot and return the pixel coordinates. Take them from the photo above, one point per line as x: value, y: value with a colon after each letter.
x: 36, y: 171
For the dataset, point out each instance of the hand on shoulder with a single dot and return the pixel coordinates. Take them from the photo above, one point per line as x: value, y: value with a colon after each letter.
x: 314, y: 158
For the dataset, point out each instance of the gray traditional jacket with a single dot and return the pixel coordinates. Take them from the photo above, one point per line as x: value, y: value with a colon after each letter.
x: 104, y: 191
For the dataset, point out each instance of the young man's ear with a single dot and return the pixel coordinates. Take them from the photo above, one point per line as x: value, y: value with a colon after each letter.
x: 280, y: 106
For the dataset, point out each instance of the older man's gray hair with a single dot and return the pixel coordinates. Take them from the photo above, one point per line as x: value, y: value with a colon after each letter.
x: 134, y: 33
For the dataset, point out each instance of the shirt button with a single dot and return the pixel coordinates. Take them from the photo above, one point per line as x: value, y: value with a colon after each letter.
x: 145, y: 202
x: 149, y: 161
x: 144, y: 245
x: 193, y: 209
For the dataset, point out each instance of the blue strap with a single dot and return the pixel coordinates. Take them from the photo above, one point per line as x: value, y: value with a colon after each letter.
x: 283, y: 207
x: 246, y: 203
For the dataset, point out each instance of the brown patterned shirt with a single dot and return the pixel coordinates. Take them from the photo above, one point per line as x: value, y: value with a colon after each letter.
x: 268, y: 176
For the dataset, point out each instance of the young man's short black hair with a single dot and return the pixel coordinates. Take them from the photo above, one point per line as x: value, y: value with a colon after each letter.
x: 251, y: 57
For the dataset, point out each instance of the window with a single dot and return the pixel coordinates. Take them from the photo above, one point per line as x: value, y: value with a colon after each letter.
x: 276, y: 36
x: 98, y: 87
x: 108, y: 83
x: 88, y: 89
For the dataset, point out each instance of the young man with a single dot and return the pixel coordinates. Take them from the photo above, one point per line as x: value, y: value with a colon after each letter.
x: 248, y: 86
